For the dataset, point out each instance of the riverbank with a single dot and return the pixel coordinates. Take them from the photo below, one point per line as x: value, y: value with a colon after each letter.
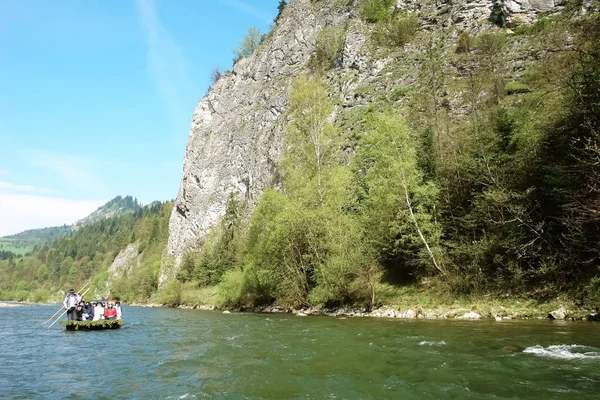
x: 475, y: 311
x: 410, y: 304
x: 10, y: 303
x: 407, y: 302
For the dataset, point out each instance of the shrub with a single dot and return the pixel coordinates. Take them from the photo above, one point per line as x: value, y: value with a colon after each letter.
x: 366, y: 285
x: 40, y: 295
x: 191, y: 294
x: 396, y: 30
x: 221, y: 250
x: 328, y: 46
x: 491, y: 44
x: 170, y: 294
x: 498, y: 15
x: 465, y: 43
x: 248, y: 44
x: 19, y: 295
x: 401, y: 29
x: 230, y: 290
x: 375, y: 10
x: 215, y: 75
x: 400, y: 93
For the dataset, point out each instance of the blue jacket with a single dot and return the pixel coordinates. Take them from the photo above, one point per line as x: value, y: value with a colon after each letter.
x: 89, y: 311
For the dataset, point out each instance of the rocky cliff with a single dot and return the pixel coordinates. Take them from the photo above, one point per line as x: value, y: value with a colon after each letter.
x: 235, y: 139
x: 124, y: 263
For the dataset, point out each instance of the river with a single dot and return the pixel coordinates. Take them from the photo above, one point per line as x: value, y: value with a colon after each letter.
x: 186, y: 354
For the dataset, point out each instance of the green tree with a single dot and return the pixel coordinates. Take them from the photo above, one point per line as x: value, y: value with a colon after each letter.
x: 399, y: 206
x: 248, y: 44
x: 42, y: 273
x: 280, y: 8
x: 313, y: 144
x: 305, y: 244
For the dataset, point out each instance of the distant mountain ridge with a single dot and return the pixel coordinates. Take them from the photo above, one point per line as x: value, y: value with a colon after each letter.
x: 118, y: 206
x: 49, y: 233
x: 114, y: 208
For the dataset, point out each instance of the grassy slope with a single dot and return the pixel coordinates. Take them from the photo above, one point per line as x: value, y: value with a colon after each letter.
x: 17, y: 246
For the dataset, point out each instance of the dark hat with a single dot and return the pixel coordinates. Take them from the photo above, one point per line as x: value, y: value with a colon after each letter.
x: 71, y: 291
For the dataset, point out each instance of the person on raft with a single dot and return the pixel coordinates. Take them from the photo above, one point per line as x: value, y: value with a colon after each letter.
x: 79, y: 310
x: 118, y: 308
x: 98, y: 312
x: 70, y: 304
x: 88, y: 312
x: 110, y: 312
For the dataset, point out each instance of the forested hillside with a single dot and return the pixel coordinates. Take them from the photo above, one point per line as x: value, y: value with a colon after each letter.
x: 24, y: 242
x: 86, y: 255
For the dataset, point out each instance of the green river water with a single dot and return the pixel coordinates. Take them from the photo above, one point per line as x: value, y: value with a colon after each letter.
x: 186, y: 354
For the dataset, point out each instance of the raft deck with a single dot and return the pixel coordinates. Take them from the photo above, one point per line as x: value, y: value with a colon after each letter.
x: 92, y: 325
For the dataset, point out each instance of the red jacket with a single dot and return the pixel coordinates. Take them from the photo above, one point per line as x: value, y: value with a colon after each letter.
x: 110, y: 313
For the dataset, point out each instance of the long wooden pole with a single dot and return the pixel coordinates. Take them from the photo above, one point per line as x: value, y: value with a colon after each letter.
x: 50, y: 319
x: 57, y: 319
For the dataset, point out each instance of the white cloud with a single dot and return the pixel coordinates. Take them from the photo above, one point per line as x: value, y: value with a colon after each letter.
x: 3, y: 172
x: 166, y: 63
x: 7, y: 186
x: 248, y: 9
x: 19, y: 212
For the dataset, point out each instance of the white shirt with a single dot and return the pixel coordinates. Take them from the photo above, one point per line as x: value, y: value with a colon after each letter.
x: 98, y: 312
x: 71, y: 301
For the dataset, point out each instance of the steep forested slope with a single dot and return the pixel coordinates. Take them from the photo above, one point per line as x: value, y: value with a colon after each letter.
x: 370, y: 145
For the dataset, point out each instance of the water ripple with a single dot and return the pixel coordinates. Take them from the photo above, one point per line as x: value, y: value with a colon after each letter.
x: 185, y: 354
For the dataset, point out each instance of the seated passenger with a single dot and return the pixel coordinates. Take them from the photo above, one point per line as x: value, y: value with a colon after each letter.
x: 79, y: 311
x: 88, y: 312
x: 110, y: 312
x: 119, y: 311
x: 98, y: 312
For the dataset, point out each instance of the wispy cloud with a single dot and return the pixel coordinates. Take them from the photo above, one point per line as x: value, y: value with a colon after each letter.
x: 250, y: 10
x: 20, y: 212
x: 7, y: 186
x: 166, y: 61
x: 75, y: 171
x: 3, y: 172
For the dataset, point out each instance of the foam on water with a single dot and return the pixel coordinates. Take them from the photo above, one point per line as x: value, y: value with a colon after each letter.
x: 432, y: 343
x: 565, y: 351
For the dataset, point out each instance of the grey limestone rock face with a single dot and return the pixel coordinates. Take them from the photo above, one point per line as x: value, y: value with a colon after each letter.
x: 473, y: 15
x: 520, y: 6
x: 127, y: 259
x: 236, y: 133
x: 235, y: 138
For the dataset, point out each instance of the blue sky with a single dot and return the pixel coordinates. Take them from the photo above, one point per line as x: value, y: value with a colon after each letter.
x: 96, y: 98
